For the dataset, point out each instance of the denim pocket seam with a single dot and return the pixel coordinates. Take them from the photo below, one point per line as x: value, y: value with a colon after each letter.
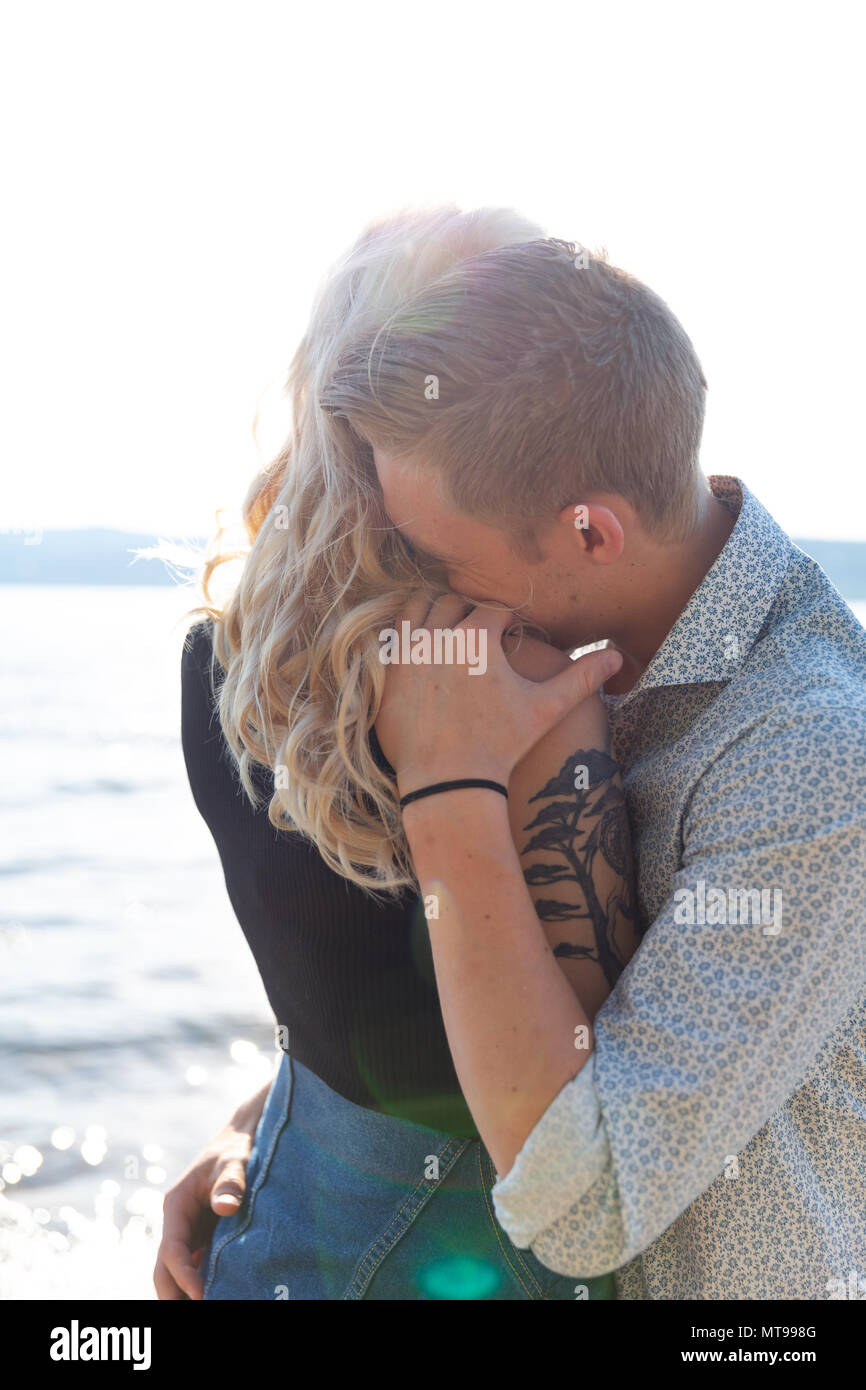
x: 267, y: 1159
x: 414, y: 1203
x: 486, y: 1183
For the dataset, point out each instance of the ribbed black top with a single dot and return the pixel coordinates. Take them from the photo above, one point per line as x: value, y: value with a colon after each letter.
x: 351, y: 980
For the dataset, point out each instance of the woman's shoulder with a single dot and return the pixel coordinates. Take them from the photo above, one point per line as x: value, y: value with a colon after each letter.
x: 199, y: 636
x: 198, y: 662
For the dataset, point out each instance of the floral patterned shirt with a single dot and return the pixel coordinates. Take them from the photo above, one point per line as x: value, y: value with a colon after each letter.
x: 713, y: 1146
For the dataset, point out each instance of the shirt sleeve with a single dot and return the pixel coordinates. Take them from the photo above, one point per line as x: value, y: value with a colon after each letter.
x: 714, y: 1022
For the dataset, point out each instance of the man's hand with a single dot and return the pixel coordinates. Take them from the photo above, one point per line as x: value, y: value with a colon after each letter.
x: 212, y: 1186
x: 438, y: 722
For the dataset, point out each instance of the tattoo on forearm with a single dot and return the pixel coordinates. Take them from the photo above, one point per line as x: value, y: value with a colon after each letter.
x: 577, y: 824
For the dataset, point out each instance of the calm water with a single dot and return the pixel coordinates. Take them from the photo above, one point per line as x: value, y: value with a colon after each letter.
x: 132, y: 1019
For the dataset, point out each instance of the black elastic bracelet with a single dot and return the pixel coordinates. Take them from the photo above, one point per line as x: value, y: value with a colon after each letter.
x: 450, y: 786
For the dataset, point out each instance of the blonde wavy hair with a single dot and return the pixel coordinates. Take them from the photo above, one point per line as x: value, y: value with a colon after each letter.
x: 520, y: 373
x: 324, y: 569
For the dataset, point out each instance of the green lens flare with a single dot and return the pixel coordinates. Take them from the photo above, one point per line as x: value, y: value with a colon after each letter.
x: 459, y: 1278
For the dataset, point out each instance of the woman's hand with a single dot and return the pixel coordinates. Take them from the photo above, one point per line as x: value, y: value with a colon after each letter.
x: 212, y: 1186
x: 438, y: 721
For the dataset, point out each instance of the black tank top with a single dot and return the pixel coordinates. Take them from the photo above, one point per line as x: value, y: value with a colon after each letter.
x: 352, y: 981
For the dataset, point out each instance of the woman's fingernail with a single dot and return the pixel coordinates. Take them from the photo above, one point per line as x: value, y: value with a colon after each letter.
x: 612, y: 663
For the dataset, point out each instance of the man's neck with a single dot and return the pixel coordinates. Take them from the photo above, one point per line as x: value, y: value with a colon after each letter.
x: 666, y: 582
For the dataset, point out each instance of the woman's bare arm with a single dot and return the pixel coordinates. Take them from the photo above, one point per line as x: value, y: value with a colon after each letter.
x: 514, y: 1012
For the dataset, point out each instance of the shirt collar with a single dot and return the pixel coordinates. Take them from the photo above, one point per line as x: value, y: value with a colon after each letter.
x: 720, y: 623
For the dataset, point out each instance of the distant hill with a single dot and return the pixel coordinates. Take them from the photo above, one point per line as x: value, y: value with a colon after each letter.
x: 105, y: 557
x: 81, y: 557
x: 843, y: 561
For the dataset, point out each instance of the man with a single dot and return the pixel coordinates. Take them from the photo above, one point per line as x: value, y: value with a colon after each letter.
x: 706, y: 1136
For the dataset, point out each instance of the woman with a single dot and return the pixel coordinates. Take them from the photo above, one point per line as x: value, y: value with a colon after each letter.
x: 365, y: 1177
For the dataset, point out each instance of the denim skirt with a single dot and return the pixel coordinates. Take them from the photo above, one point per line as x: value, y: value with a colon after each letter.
x: 346, y: 1203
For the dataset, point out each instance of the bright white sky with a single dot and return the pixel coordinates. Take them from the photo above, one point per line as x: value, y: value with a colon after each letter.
x: 178, y: 176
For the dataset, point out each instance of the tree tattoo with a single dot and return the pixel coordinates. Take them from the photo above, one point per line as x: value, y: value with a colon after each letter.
x: 576, y: 826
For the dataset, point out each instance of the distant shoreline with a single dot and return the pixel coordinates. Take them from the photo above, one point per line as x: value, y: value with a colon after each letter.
x: 93, y: 557
x: 98, y: 557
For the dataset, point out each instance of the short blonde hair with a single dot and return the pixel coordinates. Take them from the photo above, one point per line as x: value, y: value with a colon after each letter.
x: 528, y: 377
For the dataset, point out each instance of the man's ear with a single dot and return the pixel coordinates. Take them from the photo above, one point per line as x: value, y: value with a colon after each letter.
x: 597, y: 529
